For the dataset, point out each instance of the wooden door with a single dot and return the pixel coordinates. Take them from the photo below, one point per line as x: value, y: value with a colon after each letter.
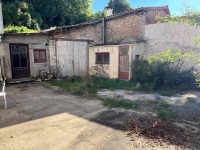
x: 72, y: 58
x: 19, y: 61
x: 124, y: 63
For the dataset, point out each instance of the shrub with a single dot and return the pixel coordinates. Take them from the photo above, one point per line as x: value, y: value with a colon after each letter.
x: 163, y: 72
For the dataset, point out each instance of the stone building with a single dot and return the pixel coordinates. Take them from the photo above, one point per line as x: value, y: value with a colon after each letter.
x: 117, y: 39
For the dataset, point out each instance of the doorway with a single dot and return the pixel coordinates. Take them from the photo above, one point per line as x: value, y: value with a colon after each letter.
x: 19, y: 55
x: 124, y: 62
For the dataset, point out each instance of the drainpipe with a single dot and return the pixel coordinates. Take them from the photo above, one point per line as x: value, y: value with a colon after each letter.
x: 1, y: 20
x: 103, y: 30
x: 1, y: 32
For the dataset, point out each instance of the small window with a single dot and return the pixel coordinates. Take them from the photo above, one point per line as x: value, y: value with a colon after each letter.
x: 102, y: 58
x: 39, y: 56
x: 137, y: 57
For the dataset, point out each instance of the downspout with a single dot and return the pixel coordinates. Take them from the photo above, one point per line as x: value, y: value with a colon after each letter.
x: 1, y: 20
x: 103, y: 30
x: 1, y: 33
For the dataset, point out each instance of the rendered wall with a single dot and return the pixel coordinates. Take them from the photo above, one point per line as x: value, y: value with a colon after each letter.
x: 162, y: 37
x: 112, y: 69
x: 34, y: 42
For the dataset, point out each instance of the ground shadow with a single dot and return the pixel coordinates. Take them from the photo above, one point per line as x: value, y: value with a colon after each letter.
x: 41, y: 104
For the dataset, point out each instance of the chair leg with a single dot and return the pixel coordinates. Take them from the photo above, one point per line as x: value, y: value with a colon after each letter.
x: 5, y: 101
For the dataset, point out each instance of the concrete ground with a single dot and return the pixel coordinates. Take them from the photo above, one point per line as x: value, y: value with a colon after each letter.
x: 39, y: 117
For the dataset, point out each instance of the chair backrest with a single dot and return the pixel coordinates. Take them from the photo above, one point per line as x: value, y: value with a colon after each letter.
x: 3, y: 86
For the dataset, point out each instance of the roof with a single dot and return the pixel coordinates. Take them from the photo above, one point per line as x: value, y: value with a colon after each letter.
x: 140, y: 9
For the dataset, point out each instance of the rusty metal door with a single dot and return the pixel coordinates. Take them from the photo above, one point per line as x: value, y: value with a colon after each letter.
x: 124, y: 63
x: 19, y: 55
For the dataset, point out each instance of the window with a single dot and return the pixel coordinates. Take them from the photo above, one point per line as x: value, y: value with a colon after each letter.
x: 137, y: 57
x: 102, y: 58
x: 39, y: 56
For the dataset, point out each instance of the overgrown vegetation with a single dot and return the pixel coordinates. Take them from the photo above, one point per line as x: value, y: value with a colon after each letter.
x: 91, y: 84
x: 163, y: 71
x: 18, y: 29
x: 119, y: 103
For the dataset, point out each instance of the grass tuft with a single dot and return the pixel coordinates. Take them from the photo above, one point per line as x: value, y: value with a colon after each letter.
x: 164, y: 113
x: 119, y: 103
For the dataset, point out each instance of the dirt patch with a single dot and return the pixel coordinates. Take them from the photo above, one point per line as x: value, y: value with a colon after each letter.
x: 171, y: 120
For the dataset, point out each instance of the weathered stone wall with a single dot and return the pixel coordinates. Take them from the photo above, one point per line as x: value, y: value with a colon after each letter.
x: 152, y: 14
x: 89, y: 32
x: 130, y: 26
x: 116, y: 30
x: 164, y: 36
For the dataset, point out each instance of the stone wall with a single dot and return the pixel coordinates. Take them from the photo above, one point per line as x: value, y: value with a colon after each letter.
x: 164, y: 36
x: 89, y: 32
x: 130, y: 26
x: 152, y: 15
x: 116, y: 30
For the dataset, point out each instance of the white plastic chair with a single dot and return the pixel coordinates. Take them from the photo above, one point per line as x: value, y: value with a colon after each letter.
x: 3, y: 93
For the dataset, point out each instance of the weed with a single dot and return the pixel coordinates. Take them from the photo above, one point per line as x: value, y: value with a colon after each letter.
x: 164, y: 113
x: 166, y: 93
x: 164, y: 105
x: 119, y: 103
x: 65, y: 85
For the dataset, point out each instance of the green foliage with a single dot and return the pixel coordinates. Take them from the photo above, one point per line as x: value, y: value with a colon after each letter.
x: 163, y: 71
x: 16, y: 29
x: 64, y: 85
x: 166, y: 92
x: 98, y: 15
x: 164, y: 105
x: 119, y: 5
x: 17, y: 13
x: 36, y: 14
x: 89, y: 85
x: 187, y: 15
x: 164, y: 113
x: 119, y: 103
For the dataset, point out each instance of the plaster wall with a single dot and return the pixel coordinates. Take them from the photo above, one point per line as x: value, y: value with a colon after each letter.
x: 110, y: 70
x: 34, y: 42
x: 162, y: 37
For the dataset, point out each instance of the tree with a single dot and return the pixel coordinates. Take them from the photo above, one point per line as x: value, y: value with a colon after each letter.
x: 78, y: 11
x: 17, y: 13
x: 98, y: 15
x: 119, y: 5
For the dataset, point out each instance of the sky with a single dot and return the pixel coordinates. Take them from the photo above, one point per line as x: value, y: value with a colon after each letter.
x: 174, y: 5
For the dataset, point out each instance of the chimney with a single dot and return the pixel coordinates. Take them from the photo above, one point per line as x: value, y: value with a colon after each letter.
x: 109, y: 11
x: 1, y: 20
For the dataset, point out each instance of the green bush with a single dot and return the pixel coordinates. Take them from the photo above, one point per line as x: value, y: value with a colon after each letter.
x: 18, y: 29
x: 158, y: 74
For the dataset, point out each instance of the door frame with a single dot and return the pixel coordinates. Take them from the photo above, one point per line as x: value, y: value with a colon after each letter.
x: 28, y: 57
x: 119, y: 47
